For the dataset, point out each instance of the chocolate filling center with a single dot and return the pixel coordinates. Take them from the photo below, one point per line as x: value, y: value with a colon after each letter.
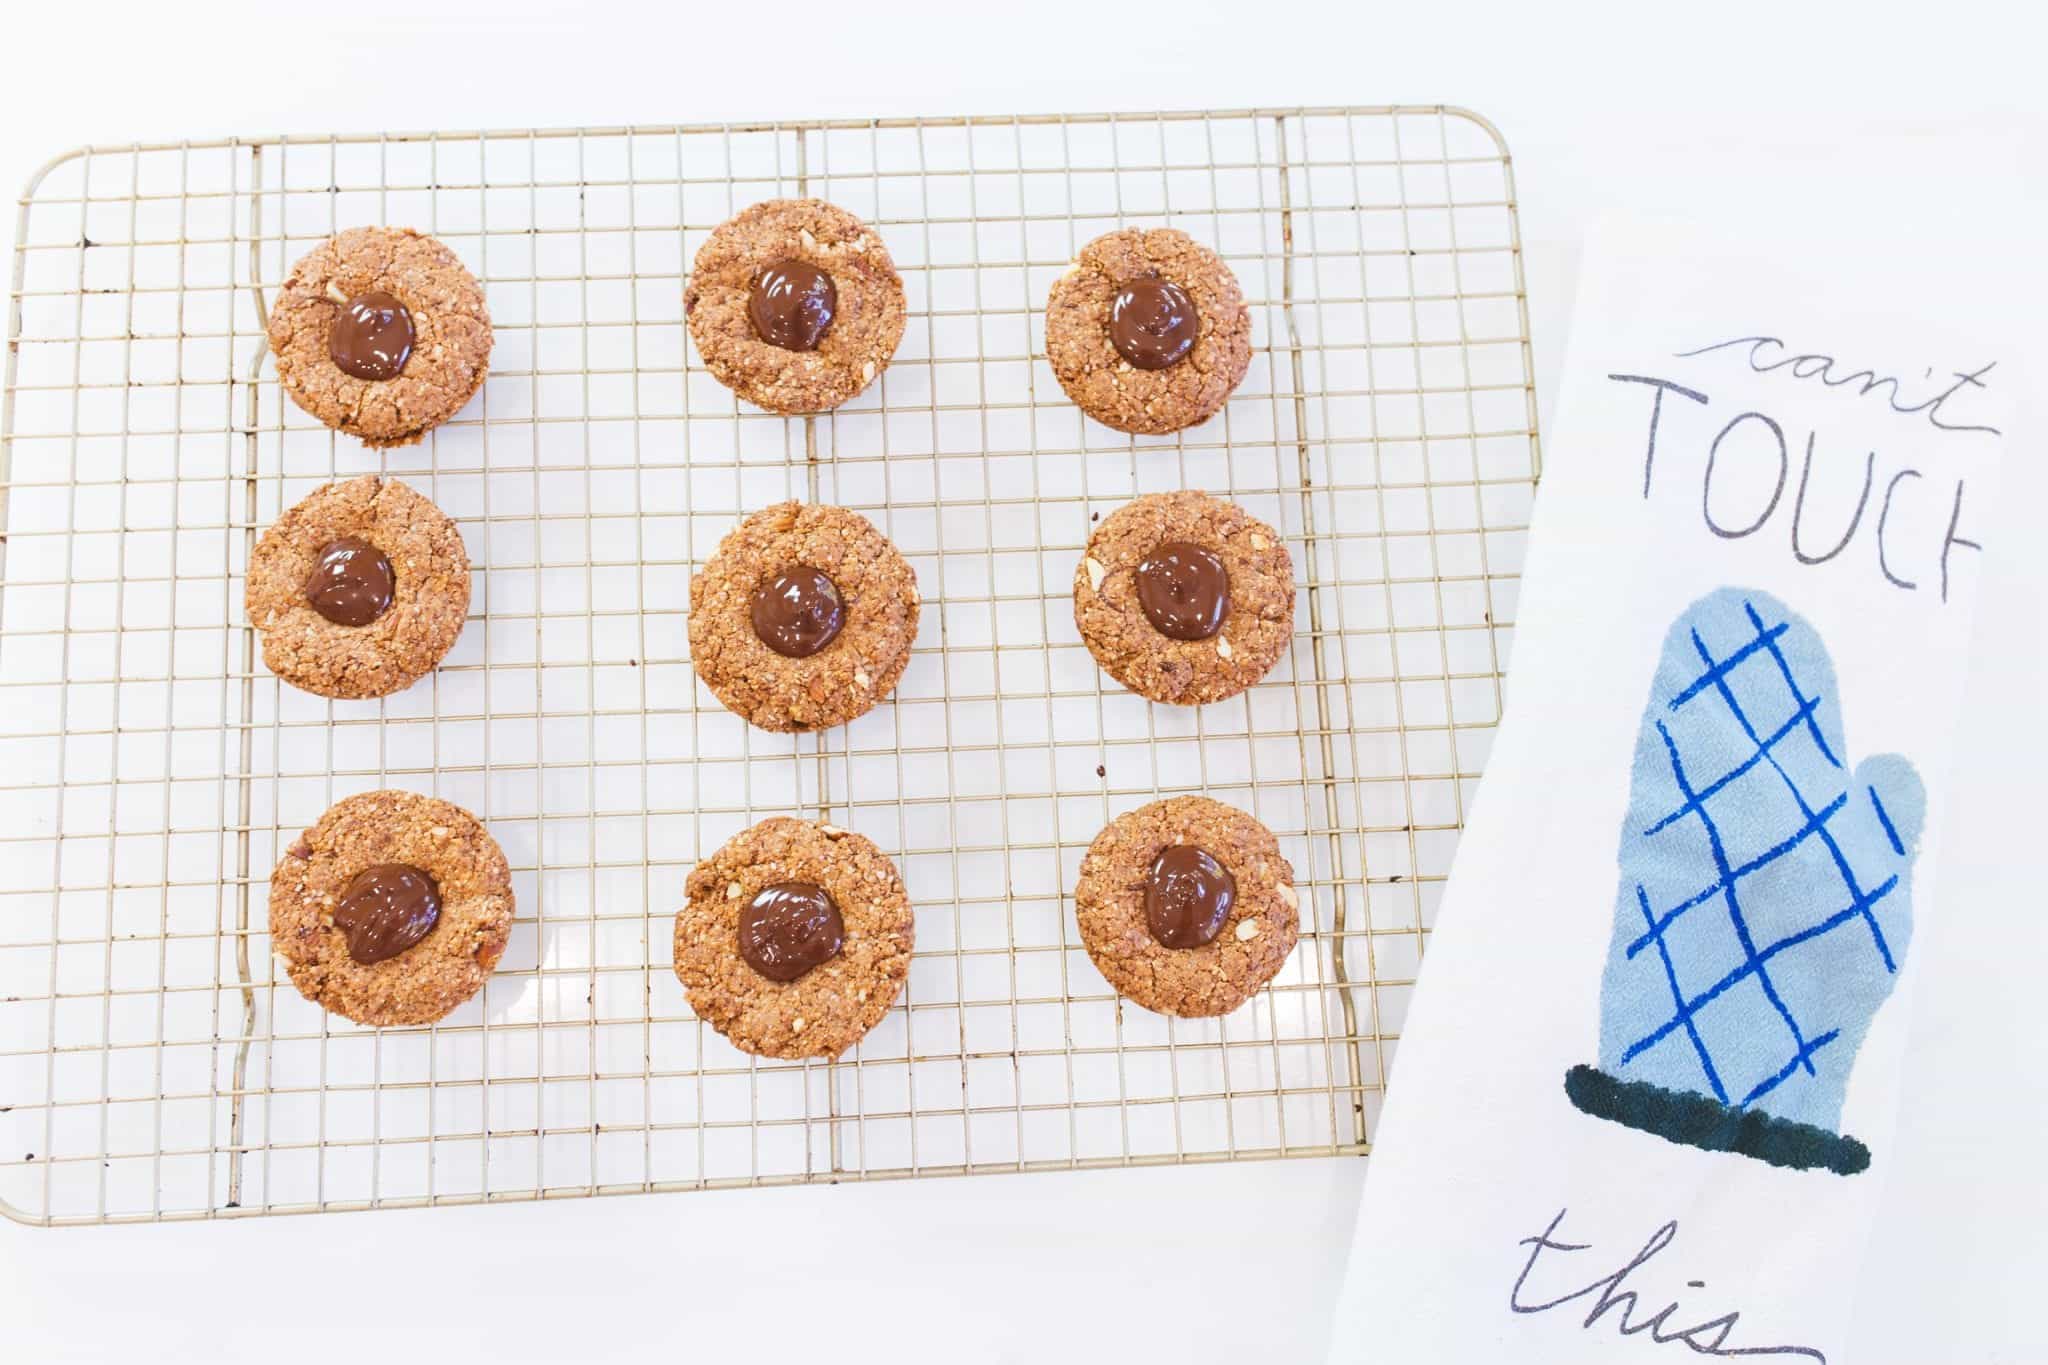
x: 371, y: 338
x: 352, y: 583
x: 792, y: 305
x: 798, y: 612
x: 1153, y: 323
x: 789, y: 928
x: 1187, y: 896
x: 387, y: 909
x: 1184, y: 590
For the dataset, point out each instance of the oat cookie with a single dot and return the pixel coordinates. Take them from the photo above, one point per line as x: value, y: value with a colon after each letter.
x: 1187, y: 906
x: 795, y: 939
x: 358, y: 590
x: 381, y: 333
x: 794, y: 305
x: 1149, y: 332
x: 392, y: 909
x: 803, y: 618
x: 1185, y: 598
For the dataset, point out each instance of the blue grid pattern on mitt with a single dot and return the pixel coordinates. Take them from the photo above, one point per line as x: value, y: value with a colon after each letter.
x: 1764, y: 904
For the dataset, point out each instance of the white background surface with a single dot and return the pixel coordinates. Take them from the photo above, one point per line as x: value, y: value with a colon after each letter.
x: 1602, y: 106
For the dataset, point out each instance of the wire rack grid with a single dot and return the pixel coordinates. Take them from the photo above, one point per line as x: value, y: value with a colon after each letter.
x: 156, y: 1064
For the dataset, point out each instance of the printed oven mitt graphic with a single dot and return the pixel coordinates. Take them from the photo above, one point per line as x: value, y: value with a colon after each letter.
x: 1765, y: 898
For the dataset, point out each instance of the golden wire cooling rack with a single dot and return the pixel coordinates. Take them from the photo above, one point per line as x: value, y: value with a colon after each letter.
x: 156, y: 1064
